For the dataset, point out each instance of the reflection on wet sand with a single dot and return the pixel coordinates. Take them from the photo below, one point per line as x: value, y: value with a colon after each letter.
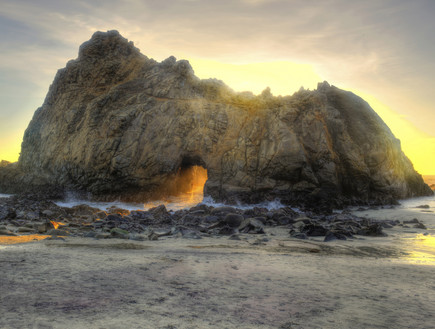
x: 421, y: 250
x: 7, y: 240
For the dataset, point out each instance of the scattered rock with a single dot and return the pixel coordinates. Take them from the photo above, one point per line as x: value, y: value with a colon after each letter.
x: 119, y: 233
x: 374, y: 229
x: 420, y: 226
x: 7, y: 232
x: 233, y: 220
x: 331, y: 236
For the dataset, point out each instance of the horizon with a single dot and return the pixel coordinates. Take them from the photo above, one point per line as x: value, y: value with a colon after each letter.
x: 383, y: 56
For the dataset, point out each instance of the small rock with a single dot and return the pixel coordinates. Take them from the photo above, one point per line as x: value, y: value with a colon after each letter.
x: 331, y: 236
x: 412, y: 221
x: 7, y: 232
x: 153, y: 236
x: 191, y: 235
x: 91, y: 234
x: 234, y: 237
x: 312, y: 229
x: 102, y: 235
x: 423, y: 206
x: 119, y: 233
x: 138, y: 237
x: 48, y: 213
x: 374, y: 229
x: 233, y: 220
x: 55, y: 238
x: 298, y: 235
x: 251, y: 225
x: 58, y: 232
x: 420, y: 226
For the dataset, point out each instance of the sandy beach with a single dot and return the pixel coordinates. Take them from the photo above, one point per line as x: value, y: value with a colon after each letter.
x: 260, y: 281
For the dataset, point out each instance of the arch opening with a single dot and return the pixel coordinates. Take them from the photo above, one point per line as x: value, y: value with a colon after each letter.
x: 185, y: 187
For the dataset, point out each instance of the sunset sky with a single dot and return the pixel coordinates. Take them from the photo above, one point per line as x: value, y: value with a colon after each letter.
x: 383, y: 51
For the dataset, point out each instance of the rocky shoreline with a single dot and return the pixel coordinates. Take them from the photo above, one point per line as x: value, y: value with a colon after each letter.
x: 29, y: 214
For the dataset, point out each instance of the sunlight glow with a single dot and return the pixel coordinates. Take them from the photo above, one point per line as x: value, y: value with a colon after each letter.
x: 186, y: 187
x: 284, y: 78
x: 422, y: 250
x: 418, y: 146
x: 7, y: 240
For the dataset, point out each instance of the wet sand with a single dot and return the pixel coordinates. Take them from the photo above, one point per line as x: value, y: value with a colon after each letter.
x: 215, y: 283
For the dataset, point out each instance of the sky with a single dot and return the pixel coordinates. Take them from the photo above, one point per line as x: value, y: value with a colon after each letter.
x: 382, y: 50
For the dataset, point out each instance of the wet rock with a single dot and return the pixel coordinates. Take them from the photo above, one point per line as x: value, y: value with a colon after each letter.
x: 100, y: 215
x: 152, y: 236
x: 54, y: 238
x: 424, y: 206
x: 58, y: 232
x: 7, y: 232
x: 233, y: 220
x: 412, y: 221
x: 298, y: 235
x: 211, y: 219
x: 48, y: 213
x: 161, y: 214
x: 199, y: 212
x: 374, y: 229
x: 313, y: 229
x: 138, y: 237
x: 258, y: 242
x: 222, y: 211
x: 91, y: 234
x: 285, y: 220
x: 252, y: 225
x: 102, y: 235
x: 6, y: 213
x: 234, y: 237
x: 191, y: 235
x: 119, y: 233
x: 331, y: 236
x: 82, y: 210
x: 420, y: 226
x: 226, y: 230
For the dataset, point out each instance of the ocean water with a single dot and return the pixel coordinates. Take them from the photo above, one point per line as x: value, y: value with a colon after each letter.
x: 415, y: 202
x: 173, y: 203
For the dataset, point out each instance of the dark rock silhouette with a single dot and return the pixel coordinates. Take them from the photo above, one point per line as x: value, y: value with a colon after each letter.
x: 116, y: 123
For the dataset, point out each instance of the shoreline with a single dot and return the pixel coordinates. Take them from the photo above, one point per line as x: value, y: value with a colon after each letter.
x: 249, y: 280
x: 212, y: 283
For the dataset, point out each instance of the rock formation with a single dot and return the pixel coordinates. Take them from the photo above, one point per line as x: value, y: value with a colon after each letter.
x: 116, y: 123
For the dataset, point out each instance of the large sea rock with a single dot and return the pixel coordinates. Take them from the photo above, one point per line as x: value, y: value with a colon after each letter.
x: 116, y: 123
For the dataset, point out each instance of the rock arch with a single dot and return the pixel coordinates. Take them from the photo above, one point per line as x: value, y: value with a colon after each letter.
x: 116, y: 123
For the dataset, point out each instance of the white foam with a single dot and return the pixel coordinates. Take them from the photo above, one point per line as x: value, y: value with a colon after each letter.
x: 172, y: 203
x: 415, y: 202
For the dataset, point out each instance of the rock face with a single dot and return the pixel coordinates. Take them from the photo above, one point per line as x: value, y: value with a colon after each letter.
x: 116, y: 123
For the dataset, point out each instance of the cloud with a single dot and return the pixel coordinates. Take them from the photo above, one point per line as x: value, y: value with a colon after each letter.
x: 380, y: 47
